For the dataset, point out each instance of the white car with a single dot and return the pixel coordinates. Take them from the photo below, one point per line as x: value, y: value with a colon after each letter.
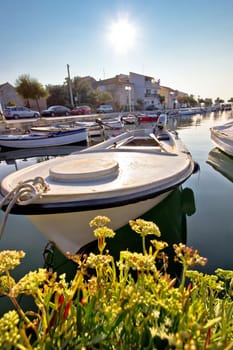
x: 20, y: 112
x: 104, y: 109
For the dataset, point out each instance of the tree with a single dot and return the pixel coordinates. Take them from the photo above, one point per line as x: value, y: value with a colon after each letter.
x: 192, y: 101
x: 58, y: 95
x: 30, y: 88
x: 186, y: 100
x: 98, y: 97
x: 82, y: 87
x: 218, y: 101
x: 208, y: 102
x: 183, y: 100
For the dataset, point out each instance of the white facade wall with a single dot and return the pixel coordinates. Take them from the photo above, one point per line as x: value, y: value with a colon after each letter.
x: 145, y: 88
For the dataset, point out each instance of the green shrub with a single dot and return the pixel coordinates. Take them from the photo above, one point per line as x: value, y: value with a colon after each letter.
x: 128, y: 304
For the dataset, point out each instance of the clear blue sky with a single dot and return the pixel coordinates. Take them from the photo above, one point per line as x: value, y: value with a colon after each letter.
x: 187, y: 44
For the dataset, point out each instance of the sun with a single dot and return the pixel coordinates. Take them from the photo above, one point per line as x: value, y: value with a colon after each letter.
x: 122, y: 35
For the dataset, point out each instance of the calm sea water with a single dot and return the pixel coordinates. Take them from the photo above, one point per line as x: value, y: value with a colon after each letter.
x: 210, y: 229
x: 200, y: 214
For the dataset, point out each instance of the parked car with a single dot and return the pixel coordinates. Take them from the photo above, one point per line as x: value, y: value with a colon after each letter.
x: 55, y: 111
x: 20, y: 112
x: 151, y: 108
x: 104, y: 109
x: 78, y: 110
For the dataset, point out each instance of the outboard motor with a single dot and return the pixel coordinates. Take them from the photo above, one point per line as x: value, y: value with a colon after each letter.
x: 162, y: 122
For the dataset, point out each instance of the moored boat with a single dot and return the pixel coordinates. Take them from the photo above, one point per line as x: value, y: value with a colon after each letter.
x: 148, y: 118
x: 129, y: 119
x: 222, y: 136
x: 189, y: 111
x: 102, y: 129
x: 45, y: 137
x: 122, y: 178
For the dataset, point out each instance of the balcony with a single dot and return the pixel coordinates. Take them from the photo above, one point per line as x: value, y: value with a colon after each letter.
x: 149, y: 94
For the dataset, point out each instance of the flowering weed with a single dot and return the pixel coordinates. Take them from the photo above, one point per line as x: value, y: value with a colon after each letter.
x: 129, y: 304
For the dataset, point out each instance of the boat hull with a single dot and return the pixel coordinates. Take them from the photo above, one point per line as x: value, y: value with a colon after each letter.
x: 46, y: 140
x: 222, y: 136
x: 148, y: 118
x: 70, y: 231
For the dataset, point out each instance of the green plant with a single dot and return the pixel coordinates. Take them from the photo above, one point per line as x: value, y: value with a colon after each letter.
x: 129, y: 304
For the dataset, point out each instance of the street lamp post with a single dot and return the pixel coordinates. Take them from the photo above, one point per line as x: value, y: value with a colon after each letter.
x: 128, y: 88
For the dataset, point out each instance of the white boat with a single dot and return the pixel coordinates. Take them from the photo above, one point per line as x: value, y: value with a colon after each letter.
x: 101, y: 129
x: 112, y: 127
x: 221, y: 162
x: 222, y: 136
x: 122, y: 178
x: 42, y: 130
x: 45, y: 137
x: 129, y: 119
x: 189, y: 111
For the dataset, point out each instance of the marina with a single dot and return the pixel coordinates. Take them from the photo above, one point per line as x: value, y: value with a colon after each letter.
x: 209, y: 229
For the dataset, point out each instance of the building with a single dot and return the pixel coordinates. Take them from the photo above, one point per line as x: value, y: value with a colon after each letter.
x: 131, y: 91
x: 117, y: 87
x: 145, y: 89
x: 170, y: 97
x: 8, y: 95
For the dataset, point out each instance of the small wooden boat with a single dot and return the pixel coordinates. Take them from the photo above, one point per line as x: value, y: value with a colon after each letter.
x: 122, y: 178
x: 129, y: 119
x: 110, y: 124
x: 222, y: 136
x: 102, y: 129
x: 43, y: 130
x: 44, y: 137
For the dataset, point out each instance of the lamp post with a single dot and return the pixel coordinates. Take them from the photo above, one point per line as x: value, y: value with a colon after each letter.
x: 128, y: 88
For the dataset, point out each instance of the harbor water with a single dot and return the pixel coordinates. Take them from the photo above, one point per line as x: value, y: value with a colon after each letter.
x: 199, y: 214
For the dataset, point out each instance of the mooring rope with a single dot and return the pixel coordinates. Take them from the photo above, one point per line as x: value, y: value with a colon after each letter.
x: 23, y: 194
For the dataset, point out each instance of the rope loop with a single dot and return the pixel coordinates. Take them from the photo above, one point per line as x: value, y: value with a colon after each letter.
x: 24, y: 193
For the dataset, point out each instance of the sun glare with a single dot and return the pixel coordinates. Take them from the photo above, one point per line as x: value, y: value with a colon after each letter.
x: 122, y: 35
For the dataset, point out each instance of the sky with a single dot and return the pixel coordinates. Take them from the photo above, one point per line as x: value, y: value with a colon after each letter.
x: 187, y: 44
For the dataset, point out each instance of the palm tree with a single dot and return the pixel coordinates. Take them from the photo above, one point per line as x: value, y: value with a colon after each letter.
x: 218, y: 101
x: 30, y: 88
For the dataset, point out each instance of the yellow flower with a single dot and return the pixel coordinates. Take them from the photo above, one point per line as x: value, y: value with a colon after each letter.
x: 136, y: 261
x: 104, y: 232
x: 159, y: 245
x: 6, y: 283
x: 144, y: 227
x: 31, y: 282
x: 9, y: 259
x: 9, y: 335
x: 99, y: 221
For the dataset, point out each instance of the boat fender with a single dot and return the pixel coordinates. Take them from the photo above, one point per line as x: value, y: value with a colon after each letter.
x: 196, y: 168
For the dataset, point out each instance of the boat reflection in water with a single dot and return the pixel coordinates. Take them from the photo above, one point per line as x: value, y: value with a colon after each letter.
x: 171, y: 217
x: 221, y: 162
x: 16, y: 156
